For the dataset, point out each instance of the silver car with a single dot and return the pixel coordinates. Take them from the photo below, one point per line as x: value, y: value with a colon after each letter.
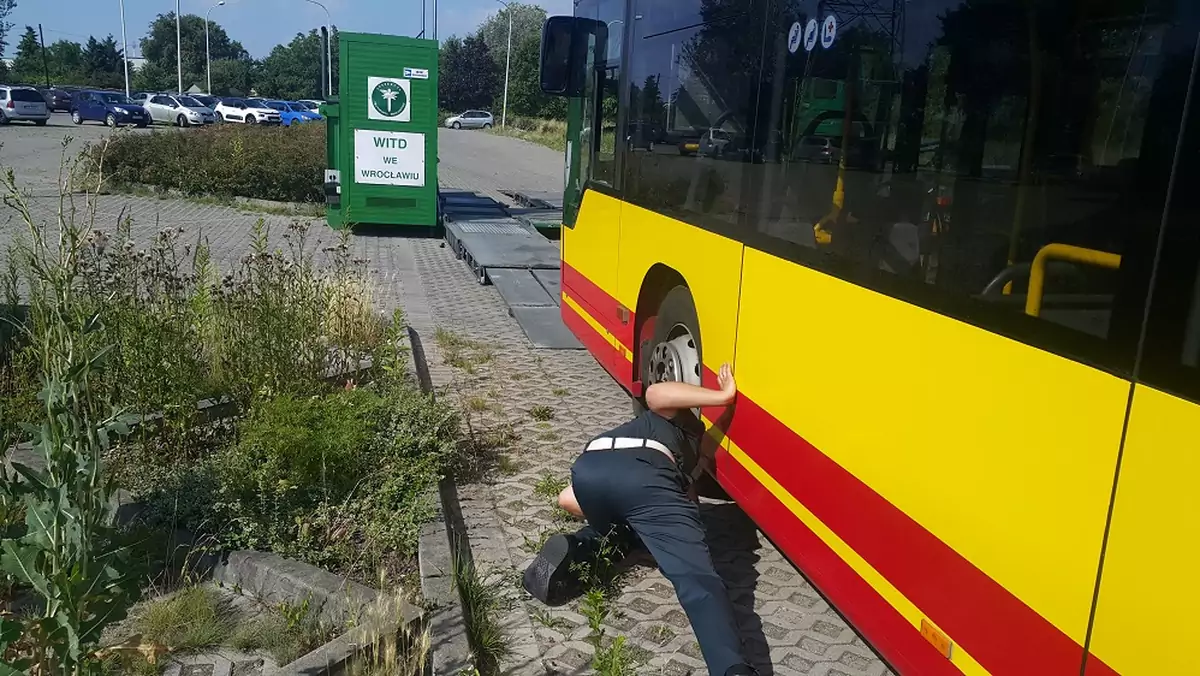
x: 24, y: 104
x: 472, y: 119
x: 181, y: 110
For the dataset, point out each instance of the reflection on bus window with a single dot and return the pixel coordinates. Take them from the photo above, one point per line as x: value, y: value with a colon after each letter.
x: 693, y: 79
x: 949, y: 148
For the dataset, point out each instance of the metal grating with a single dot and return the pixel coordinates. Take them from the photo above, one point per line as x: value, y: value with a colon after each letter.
x: 490, y: 228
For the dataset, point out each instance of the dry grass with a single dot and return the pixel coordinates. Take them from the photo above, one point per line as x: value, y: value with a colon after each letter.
x: 549, y: 133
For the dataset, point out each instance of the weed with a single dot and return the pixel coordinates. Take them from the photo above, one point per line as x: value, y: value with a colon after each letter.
x: 192, y: 619
x: 661, y: 633
x: 507, y: 466
x: 478, y: 404
x: 549, y: 621
x: 541, y: 412
x: 610, y: 658
x: 560, y: 391
x: 481, y: 604
x: 461, y: 352
x: 549, y: 486
x: 286, y: 632
x: 548, y: 435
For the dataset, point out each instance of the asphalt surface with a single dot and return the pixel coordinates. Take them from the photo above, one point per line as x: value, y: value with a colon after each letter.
x: 535, y: 408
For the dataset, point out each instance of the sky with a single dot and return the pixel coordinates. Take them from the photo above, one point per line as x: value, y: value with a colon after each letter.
x: 258, y: 24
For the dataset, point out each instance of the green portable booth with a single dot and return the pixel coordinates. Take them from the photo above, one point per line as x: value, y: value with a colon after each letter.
x: 382, y: 133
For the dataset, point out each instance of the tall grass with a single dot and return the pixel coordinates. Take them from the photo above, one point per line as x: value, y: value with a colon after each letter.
x: 549, y: 133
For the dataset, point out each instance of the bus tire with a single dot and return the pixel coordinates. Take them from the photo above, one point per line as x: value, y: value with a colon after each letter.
x: 676, y: 328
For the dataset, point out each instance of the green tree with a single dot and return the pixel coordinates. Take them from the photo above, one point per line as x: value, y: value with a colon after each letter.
x: 232, y: 77
x: 6, y: 8
x: 527, y: 22
x: 525, y: 96
x: 467, y: 74
x: 158, y: 47
x: 103, y: 63
x: 66, y: 61
x: 153, y: 77
x: 27, y: 65
x: 293, y: 71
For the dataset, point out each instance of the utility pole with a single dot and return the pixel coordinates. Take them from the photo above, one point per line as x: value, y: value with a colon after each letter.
x: 435, y: 20
x: 178, y: 48
x: 124, y: 48
x: 45, y: 63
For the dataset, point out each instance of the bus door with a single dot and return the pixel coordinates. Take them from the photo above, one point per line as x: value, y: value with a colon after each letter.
x: 1144, y: 619
x: 592, y: 197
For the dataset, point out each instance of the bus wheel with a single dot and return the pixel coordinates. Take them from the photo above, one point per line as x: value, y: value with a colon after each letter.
x: 675, y: 348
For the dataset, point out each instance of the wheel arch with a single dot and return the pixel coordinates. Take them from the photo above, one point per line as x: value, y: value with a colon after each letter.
x: 658, y: 281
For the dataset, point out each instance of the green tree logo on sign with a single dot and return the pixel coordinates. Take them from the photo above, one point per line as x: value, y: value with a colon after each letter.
x: 388, y: 99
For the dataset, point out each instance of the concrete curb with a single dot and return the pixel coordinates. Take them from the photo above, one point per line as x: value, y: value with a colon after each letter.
x: 273, y: 579
x: 439, y: 547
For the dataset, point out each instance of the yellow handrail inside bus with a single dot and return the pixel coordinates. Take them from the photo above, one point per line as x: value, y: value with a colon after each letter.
x: 1061, y: 252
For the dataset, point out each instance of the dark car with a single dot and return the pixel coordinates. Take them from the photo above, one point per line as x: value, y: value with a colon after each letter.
x: 58, y: 100
x: 112, y: 108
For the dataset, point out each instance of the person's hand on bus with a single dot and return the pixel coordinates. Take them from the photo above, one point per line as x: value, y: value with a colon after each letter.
x: 726, y: 382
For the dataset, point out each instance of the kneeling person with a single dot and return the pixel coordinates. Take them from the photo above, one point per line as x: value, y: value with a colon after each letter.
x: 632, y: 478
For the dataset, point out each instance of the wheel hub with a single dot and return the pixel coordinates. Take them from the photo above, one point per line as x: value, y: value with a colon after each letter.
x: 676, y: 359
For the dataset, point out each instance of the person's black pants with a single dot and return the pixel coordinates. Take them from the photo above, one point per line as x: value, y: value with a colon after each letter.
x: 643, y: 489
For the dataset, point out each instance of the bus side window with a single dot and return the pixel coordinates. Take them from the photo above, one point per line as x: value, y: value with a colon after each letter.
x: 693, y: 78
x: 598, y: 128
x: 1010, y: 180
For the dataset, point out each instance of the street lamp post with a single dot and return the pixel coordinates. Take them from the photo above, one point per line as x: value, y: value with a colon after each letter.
x: 124, y: 48
x: 178, y: 48
x: 507, y: 62
x: 207, y: 51
x: 328, y: 48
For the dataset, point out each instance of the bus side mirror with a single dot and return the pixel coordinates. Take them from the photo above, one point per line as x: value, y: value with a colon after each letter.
x: 564, y: 52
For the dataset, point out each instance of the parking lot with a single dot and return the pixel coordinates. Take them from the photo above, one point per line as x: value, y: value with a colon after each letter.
x: 787, y: 627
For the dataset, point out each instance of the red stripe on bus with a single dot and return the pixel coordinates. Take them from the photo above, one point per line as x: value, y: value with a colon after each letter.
x: 999, y: 630
x: 868, y: 612
x: 606, y: 355
x: 608, y: 309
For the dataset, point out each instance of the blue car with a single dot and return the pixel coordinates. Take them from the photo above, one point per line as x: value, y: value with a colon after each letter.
x: 291, y: 112
x: 112, y: 108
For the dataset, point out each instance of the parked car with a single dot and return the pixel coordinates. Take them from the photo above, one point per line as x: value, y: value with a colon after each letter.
x: 819, y: 149
x: 112, y: 108
x: 241, y: 110
x: 207, y: 101
x: 313, y: 112
x: 311, y: 104
x: 178, y: 110
x: 716, y: 142
x: 290, y: 113
x: 23, y: 104
x: 58, y: 100
x: 472, y: 119
x: 183, y: 111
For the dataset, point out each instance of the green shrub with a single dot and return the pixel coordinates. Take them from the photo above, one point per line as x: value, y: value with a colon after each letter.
x: 228, y: 160
x: 341, y: 481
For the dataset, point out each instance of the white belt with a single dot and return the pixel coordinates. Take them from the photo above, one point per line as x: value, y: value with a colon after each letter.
x: 616, y: 443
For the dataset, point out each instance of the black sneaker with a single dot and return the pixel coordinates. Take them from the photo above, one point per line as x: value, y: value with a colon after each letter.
x: 549, y: 578
x: 741, y: 670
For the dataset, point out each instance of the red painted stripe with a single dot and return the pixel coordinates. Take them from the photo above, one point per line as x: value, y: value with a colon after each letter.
x: 607, y: 308
x: 904, y: 648
x: 999, y: 630
x: 606, y: 355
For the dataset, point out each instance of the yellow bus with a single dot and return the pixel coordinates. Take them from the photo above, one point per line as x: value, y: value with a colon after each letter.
x: 950, y: 248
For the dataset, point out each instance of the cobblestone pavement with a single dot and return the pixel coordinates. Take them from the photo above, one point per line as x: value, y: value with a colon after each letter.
x: 540, y: 407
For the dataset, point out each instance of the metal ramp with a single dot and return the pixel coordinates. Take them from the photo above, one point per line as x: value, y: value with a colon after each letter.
x: 514, y: 257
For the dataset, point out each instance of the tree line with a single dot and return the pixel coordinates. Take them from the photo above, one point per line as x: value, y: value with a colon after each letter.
x: 291, y: 71
x: 471, y: 68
